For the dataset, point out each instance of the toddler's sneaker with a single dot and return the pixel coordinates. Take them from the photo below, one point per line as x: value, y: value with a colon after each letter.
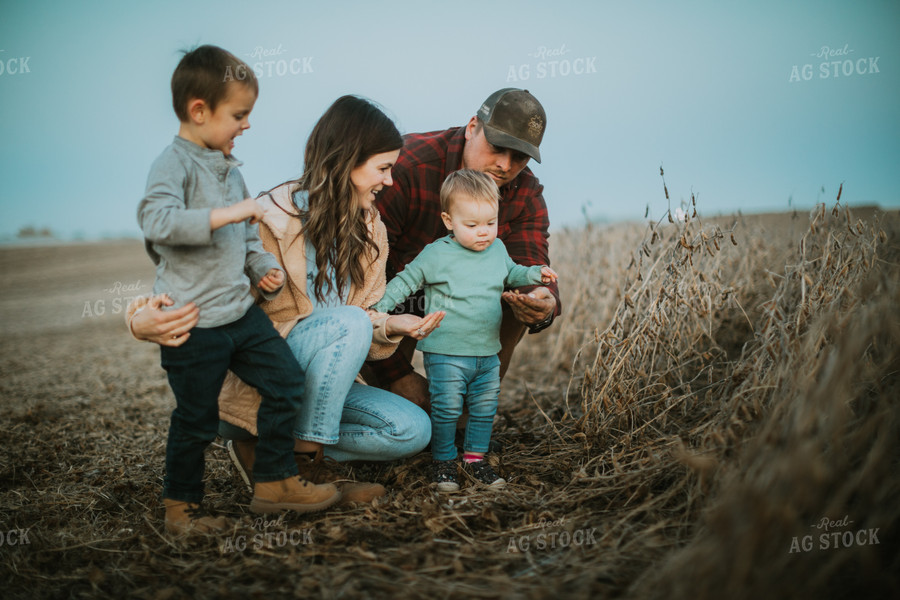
x: 445, y: 475
x: 481, y: 471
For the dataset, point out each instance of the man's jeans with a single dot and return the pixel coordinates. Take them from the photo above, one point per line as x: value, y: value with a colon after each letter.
x: 453, y: 380
x: 256, y: 353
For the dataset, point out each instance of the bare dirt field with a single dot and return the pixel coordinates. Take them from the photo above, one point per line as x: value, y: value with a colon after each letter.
x: 715, y: 416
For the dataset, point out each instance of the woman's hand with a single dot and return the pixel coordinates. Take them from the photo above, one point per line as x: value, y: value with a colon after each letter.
x: 164, y: 327
x: 412, y: 326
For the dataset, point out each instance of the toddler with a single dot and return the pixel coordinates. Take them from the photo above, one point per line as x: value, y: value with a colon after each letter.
x: 464, y: 274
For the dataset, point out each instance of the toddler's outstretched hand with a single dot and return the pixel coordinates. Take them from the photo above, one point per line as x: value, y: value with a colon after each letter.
x: 271, y: 281
x: 548, y: 275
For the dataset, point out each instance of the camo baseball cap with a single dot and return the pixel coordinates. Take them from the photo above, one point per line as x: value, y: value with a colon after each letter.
x: 514, y: 119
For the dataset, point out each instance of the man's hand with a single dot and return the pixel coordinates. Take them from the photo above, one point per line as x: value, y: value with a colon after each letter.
x: 533, y: 307
x: 414, y: 388
x: 164, y: 327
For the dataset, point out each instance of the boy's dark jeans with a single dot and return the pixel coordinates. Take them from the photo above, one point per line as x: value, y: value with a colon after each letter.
x: 256, y: 353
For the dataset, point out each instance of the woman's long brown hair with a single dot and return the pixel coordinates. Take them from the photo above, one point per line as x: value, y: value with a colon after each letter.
x: 350, y: 132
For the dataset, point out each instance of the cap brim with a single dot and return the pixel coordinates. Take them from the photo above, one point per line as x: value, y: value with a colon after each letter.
x: 504, y: 140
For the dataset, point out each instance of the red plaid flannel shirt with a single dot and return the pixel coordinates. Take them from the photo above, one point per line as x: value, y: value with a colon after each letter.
x: 411, y: 211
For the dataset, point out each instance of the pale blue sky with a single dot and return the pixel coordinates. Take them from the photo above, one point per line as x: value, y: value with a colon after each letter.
x: 702, y: 87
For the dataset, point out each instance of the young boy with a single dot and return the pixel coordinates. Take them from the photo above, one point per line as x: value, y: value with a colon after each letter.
x: 198, y: 223
x: 464, y: 274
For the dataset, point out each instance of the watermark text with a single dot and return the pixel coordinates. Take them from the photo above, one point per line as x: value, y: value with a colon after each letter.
x: 550, y: 540
x: 279, y: 537
x: 123, y: 293
x: 552, y: 62
x: 14, y: 537
x: 271, y: 62
x: 834, y: 534
x: 17, y: 65
x: 836, y: 62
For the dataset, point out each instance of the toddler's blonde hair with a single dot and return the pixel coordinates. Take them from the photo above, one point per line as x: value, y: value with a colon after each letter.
x: 470, y: 184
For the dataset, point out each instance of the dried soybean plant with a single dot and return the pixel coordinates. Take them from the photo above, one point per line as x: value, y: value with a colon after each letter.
x: 659, y: 352
x: 826, y: 276
x: 590, y: 259
x: 814, y: 427
x: 747, y: 385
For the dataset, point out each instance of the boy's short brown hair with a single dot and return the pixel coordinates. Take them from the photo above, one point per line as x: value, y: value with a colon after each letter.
x: 205, y: 73
x: 473, y: 184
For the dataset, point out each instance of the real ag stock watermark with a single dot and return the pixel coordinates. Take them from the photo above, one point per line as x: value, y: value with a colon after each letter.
x: 551, y: 62
x: 834, y: 534
x: 15, y: 65
x: 14, y: 537
x: 550, y: 540
x: 120, y: 295
x: 415, y: 303
x: 269, y: 535
x: 835, y: 62
x: 271, y: 62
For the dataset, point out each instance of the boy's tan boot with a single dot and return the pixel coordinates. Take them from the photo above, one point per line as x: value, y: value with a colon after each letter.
x: 294, y: 494
x: 324, y: 470
x: 186, y: 517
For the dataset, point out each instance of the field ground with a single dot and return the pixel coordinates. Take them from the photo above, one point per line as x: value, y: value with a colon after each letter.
x: 707, y: 420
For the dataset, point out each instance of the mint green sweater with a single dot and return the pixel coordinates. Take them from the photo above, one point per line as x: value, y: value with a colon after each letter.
x: 467, y: 285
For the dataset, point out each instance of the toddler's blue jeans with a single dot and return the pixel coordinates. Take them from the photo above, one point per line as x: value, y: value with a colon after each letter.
x: 453, y: 380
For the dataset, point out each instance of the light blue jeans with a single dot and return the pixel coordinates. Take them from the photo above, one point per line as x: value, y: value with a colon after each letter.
x: 453, y: 380
x: 354, y: 421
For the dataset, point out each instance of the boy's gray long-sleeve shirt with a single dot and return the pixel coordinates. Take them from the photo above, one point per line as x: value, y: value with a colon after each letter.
x: 214, y: 269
